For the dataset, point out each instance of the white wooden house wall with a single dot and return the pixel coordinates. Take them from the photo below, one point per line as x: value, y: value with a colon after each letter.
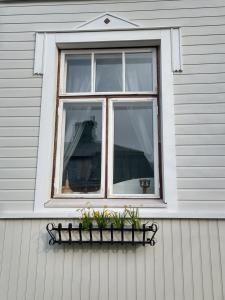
x: 188, y: 261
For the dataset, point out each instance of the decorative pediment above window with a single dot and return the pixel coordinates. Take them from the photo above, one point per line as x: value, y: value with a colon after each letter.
x: 111, y: 28
x: 107, y: 21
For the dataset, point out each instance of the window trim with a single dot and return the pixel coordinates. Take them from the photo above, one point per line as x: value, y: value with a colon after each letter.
x: 52, y: 42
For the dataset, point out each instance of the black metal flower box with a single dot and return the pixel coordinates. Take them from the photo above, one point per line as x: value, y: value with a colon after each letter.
x: 145, y: 235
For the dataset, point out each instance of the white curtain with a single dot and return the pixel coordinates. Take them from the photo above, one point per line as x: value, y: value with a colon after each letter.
x: 138, y: 72
x: 108, y: 73
x: 79, y: 75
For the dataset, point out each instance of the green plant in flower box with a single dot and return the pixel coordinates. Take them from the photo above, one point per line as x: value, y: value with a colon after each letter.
x: 133, y: 217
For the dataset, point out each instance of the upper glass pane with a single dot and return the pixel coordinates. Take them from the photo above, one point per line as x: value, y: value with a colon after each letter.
x: 133, y: 161
x: 138, y: 72
x: 108, y: 76
x: 78, y: 78
x: 82, y: 148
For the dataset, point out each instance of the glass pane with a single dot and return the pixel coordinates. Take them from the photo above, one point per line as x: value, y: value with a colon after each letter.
x: 78, y: 78
x: 108, y: 73
x: 82, y: 148
x: 138, y: 72
x: 133, y: 170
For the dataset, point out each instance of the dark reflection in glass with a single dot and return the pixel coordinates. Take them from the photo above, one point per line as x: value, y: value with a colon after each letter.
x: 133, y: 171
x: 82, y: 148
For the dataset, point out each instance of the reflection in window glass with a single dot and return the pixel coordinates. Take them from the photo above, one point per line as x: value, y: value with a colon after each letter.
x: 82, y: 148
x: 108, y: 72
x: 138, y: 72
x: 78, y: 73
x: 133, y: 170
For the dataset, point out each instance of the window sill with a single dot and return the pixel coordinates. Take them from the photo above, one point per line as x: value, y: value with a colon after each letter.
x: 102, y: 203
x: 163, y: 212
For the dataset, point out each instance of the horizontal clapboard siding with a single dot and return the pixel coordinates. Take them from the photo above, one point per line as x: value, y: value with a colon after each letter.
x: 199, y: 90
x: 187, y: 262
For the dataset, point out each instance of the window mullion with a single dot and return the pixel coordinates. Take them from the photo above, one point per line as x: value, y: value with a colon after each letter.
x: 156, y: 153
x: 110, y: 142
x: 123, y: 70
x: 92, y: 73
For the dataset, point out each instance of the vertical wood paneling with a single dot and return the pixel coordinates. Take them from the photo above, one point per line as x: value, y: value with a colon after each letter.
x: 95, y: 278
x: 67, y: 274
x: 76, y: 275
x: 168, y: 259
x: 49, y: 276
x: 6, y: 259
x: 32, y: 260
x: 2, y: 235
x: 104, y: 275
x: 24, y: 259
x: 177, y: 263
x: 15, y: 260
x: 140, y: 273
x: 150, y: 273
x: 131, y: 280
x: 41, y: 263
x: 86, y: 273
x: 159, y: 265
x: 121, y: 274
x: 221, y: 227
x: 216, y: 260
x: 113, y: 255
x: 58, y: 272
x: 206, y: 261
x: 188, y: 262
x: 196, y: 260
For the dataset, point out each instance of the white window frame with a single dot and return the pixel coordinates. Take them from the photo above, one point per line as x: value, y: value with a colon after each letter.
x: 46, y: 55
x: 93, y: 52
x: 110, y: 193
x: 57, y: 194
x: 60, y: 150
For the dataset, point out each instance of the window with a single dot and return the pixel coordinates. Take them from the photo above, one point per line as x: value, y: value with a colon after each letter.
x: 107, y: 130
x: 49, y: 199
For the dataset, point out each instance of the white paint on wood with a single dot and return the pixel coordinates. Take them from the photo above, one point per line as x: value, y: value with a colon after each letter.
x: 188, y: 261
x: 199, y: 89
x: 176, y: 50
x: 39, y: 53
x: 107, y: 21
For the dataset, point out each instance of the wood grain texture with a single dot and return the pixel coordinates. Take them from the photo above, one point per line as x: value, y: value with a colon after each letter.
x: 186, y: 263
x: 199, y: 89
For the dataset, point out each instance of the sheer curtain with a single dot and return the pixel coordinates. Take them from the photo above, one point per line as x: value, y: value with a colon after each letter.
x: 108, y: 72
x: 79, y: 74
x: 138, y: 72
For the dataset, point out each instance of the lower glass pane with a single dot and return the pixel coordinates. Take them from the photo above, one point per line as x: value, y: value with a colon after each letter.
x: 133, y: 170
x: 82, y: 148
